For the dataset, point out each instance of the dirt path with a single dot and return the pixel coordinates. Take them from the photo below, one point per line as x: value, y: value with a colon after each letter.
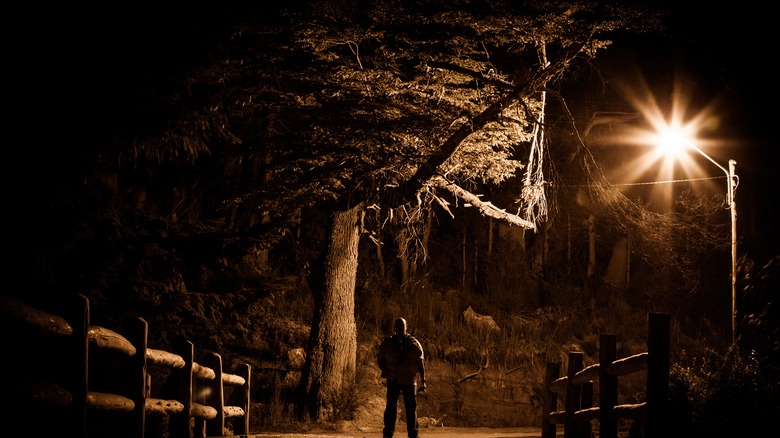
x: 438, y: 432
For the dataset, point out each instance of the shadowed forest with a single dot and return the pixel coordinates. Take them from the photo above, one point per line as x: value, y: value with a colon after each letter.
x: 279, y: 184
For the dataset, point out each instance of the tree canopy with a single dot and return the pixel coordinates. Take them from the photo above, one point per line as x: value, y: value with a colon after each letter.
x: 200, y: 141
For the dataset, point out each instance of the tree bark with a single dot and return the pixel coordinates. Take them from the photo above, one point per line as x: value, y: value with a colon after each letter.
x: 591, y: 246
x: 330, y: 364
x: 403, y: 259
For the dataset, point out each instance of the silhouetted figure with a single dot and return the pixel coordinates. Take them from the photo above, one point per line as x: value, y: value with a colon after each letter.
x: 400, y: 358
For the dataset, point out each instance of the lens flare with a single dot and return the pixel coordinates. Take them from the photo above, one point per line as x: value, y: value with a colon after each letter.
x: 672, y: 142
x: 664, y: 143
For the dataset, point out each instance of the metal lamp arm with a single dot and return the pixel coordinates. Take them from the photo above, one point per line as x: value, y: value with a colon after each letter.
x: 730, y: 177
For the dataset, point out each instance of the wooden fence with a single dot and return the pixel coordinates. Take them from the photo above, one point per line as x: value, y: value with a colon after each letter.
x: 195, y: 393
x: 577, y: 387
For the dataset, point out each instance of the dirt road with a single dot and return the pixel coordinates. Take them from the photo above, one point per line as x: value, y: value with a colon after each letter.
x: 435, y: 432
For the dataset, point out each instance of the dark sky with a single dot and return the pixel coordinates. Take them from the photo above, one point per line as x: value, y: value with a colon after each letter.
x: 722, y: 52
x: 67, y: 67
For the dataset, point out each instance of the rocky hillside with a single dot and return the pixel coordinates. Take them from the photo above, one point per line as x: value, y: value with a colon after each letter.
x: 482, y: 371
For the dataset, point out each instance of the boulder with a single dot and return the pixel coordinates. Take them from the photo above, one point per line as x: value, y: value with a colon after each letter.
x: 296, y: 358
x: 455, y: 354
x: 482, y: 323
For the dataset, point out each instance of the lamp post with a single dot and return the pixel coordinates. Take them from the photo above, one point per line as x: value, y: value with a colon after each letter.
x: 731, y: 186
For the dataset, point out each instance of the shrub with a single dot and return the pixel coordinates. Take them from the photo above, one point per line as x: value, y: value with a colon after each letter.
x: 716, y: 395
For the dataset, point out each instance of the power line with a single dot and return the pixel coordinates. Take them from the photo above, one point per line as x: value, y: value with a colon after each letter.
x: 652, y: 182
x: 669, y: 181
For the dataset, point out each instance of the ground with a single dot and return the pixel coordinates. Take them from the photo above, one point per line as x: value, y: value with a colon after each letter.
x: 440, y: 432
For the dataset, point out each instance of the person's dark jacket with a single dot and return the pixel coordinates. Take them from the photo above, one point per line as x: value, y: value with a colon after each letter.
x: 399, y: 358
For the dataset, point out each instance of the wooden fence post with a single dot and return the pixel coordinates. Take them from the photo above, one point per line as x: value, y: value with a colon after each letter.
x: 137, y: 334
x: 79, y: 362
x: 550, y: 399
x: 199, y: 389
x: 216, y: 398
x: 608, y: 387
x: 657, y: 374
x: 571, y: 427
x: 587, y: 402
x: 182, y: 391
x: 242, y: 398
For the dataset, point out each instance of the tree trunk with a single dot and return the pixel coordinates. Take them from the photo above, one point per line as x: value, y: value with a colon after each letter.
x: 591, y: 246
x: 427, y: 231
x: 330, y: 364
x: 490, y: 237
x: 380, y: 259
x: 628, y: 260
x: 568, y: 245
x: 464, y: 264
x: 403, y: 258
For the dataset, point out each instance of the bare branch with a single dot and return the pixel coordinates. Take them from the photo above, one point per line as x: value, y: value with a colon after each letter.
x: 355, y: 51
x: 486, y: 208
x: 478, y: 372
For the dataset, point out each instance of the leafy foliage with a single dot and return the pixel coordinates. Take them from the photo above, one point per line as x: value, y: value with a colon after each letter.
x: 357, y: 95
x: 720, y: 396
x: 203, y: 169
x: 760, y: 325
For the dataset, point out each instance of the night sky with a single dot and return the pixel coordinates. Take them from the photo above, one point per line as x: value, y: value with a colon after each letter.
x: 720, y: 55
x: 74, y: 75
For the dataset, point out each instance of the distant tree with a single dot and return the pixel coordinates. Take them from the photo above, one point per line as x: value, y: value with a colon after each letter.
x: 758, y: 308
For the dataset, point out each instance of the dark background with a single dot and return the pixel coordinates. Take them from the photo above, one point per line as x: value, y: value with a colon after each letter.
x: 720, y: 55
x: 76, y: 76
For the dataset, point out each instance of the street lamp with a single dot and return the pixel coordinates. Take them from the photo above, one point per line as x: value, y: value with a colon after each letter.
x: 673, y: 142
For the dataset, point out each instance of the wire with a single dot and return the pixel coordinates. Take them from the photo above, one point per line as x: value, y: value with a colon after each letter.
x: 669, y: 181
x: 652, y: 182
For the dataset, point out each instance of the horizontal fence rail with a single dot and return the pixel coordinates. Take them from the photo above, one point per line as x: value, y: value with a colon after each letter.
x: 577, y: 387
x: 195, y: 393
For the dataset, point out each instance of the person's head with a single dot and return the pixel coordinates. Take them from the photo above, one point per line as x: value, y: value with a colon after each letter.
x: 400, y: 326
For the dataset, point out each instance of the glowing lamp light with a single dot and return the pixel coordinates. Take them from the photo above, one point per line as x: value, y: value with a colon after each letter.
x: 670, y: 135
x: 672, y: 142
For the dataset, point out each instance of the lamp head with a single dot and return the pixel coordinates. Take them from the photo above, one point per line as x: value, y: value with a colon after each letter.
x: 672, y: 141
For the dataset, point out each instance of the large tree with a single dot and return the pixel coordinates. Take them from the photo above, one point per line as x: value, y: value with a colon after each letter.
x: 378, y: 104
x: 342, y: 106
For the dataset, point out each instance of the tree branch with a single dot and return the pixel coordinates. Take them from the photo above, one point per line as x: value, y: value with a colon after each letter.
x: 473, y: 73
x: 535, y: 83
x: 486, y: 208
x: 478, y: 372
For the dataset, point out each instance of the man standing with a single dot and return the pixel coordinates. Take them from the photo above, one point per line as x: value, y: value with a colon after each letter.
x: 400, y: 358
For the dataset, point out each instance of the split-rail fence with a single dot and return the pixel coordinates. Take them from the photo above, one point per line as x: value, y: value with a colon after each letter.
x: 194, y: 406
x: 577, y: 388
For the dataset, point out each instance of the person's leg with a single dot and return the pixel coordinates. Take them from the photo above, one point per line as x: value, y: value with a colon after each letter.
x: 410, y: 405
x: 393, y: 390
